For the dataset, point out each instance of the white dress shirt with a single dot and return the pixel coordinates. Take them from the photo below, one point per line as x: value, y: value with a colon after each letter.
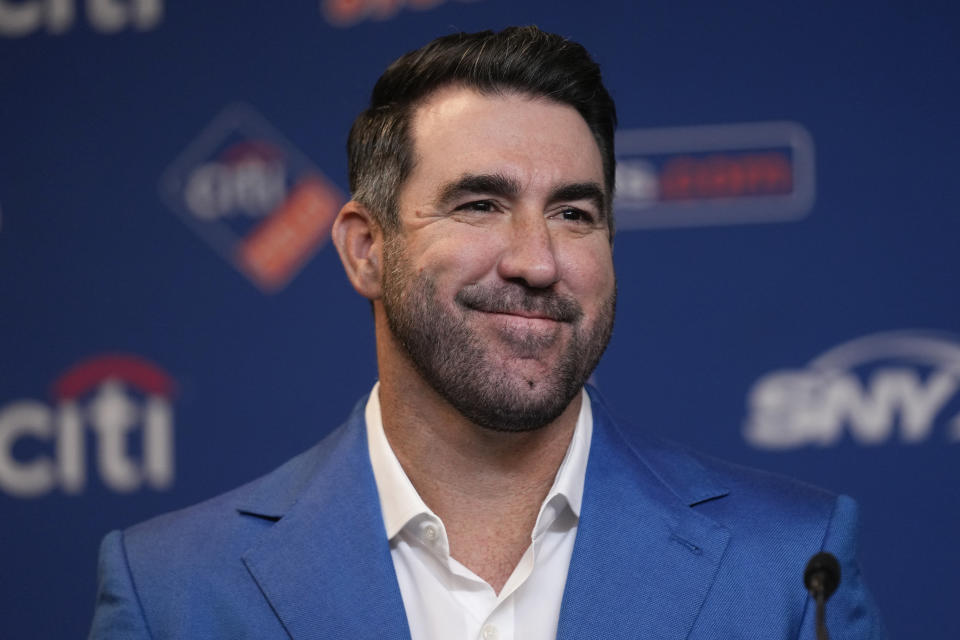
x: 443, y: 599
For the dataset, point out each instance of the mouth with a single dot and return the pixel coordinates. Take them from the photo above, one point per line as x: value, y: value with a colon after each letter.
x: 526, y: 315
x: 520, y: 307
x: 526, y: 334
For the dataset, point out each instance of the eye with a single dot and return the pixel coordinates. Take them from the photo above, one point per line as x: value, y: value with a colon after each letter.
x: 573, y: 214
x: 481, y: 206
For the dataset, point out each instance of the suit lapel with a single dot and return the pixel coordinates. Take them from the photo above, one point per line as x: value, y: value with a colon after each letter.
x: 325, y: 566
x: 642, y: 564
x: 643, y: 560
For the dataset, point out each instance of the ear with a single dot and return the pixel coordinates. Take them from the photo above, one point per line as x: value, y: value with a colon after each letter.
x: 359, y: 241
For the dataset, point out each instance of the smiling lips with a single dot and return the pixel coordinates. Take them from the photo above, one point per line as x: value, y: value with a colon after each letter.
x: 527, y: 334
x: 533, y: 329
x: 526, y: 306
x: 524, y: 323
x: 527, y: 315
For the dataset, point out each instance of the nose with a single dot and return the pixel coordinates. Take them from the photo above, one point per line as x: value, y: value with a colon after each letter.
x: 530, y: 255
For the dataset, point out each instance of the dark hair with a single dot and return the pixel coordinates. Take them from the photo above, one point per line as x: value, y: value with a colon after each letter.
x: 525, y: 59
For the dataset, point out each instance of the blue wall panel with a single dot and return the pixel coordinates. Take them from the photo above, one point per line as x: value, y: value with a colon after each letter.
x: 787, y: 298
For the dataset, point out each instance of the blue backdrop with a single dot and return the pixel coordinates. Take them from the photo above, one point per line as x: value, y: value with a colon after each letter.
x: 173, y: 321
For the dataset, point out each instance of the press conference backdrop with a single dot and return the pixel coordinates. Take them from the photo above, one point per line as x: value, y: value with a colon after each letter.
x: 174, y: 320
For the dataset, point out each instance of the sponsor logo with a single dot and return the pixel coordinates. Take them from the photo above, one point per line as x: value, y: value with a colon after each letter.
x: 253, y: 197
x: 713, y: 175
x: 896, y: 386
x: 344, y: 13
x: 55, y: 17
x: 116, y: 406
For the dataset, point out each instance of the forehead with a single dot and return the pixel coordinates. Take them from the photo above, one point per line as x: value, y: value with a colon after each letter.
x: 536, y: 141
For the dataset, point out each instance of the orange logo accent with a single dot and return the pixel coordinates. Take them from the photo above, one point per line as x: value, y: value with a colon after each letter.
x: 273, y: 253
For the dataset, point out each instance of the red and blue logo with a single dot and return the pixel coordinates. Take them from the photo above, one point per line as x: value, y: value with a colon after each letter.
x: 714, y: 175
x: 344, y: 13
x: 253, y: 197
x: 112, y: 415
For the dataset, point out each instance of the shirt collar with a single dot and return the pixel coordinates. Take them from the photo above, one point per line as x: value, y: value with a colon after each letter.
x: 400, y: 503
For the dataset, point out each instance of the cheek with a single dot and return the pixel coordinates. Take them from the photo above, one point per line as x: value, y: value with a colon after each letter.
x: 460, y: 257
x: 589, y: 273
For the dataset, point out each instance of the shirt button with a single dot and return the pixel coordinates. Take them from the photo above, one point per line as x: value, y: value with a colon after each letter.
x: 489, y: 632
x: 430, y: 533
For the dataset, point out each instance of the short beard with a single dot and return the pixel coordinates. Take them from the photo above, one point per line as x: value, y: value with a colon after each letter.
x: 454, y: 360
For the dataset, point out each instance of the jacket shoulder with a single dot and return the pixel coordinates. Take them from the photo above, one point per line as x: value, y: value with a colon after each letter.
x: 706, y: 482
x: 265, y: 499
x: 736, y: 494
x: 183, y: 573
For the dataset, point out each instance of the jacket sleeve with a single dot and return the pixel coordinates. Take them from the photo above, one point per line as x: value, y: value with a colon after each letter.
x: 851, y: 611
x: 118, y: 613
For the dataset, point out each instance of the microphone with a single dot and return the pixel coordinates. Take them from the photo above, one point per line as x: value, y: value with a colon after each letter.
x: 821, y: 577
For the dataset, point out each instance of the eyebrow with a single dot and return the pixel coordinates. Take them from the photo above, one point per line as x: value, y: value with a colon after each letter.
x: 582, y: 191
x: 497, y: 184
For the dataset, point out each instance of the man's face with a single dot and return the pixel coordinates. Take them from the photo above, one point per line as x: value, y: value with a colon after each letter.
x: 499, y: 286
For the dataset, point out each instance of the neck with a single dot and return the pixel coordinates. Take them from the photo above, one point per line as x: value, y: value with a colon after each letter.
x: 487, y: 486
x: 444, y: 453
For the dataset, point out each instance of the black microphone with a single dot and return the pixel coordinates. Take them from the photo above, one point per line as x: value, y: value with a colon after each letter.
x: 821, y: 577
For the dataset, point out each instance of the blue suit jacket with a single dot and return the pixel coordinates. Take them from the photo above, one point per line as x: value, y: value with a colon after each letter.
x: 670, y: 545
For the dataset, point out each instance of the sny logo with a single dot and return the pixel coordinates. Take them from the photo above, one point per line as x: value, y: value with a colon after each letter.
x: 125, y: 401
x: 865, y: 388
x: 253, y: 197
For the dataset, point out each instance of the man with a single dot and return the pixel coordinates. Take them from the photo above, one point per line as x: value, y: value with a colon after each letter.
x: 480, y: 491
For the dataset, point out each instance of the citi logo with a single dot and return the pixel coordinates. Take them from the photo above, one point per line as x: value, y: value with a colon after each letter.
x: 248, y: 178
x: 897, y: 386
x: 111, y: 412
x: 56, y: 17
x: 254, y: 197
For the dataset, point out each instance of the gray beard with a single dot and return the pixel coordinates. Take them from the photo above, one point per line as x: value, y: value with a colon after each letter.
x: 455, y: 362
